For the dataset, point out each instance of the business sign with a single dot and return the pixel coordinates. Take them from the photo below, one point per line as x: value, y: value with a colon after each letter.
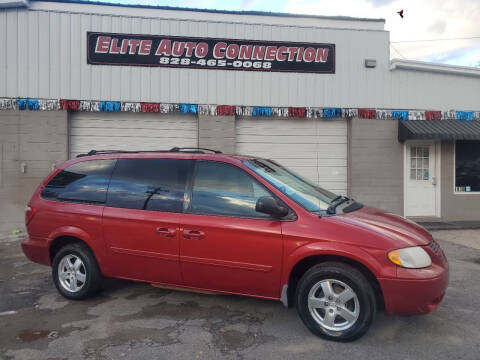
x: 208, y: 53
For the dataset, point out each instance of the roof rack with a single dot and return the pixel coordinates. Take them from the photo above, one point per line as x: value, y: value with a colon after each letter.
x: 194, y: 150
x: 174, y: 149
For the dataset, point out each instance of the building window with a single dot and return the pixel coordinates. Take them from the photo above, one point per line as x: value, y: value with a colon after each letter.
x: 419, y: 163
x: 467, y: 166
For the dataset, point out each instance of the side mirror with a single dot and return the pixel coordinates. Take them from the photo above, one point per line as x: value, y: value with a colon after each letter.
x: 269, y: 205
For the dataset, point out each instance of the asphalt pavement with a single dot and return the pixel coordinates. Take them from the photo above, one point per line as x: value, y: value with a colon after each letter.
x: 137, y: 321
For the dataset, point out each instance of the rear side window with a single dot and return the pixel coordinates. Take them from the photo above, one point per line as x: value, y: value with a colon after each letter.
x: 149, y: 184
x: 84, y: 182
x: 224, y: 189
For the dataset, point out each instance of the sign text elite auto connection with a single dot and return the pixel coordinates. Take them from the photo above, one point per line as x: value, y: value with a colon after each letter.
x: 150, y: 50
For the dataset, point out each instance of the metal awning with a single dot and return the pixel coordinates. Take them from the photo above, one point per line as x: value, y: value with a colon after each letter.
x: 439, y: 129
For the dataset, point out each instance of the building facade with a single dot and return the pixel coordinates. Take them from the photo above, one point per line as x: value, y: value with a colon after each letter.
x: 318, y: 94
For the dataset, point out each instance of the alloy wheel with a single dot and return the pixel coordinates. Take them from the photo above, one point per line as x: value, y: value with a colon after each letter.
x: 72, y: 273
x: 333, y: 305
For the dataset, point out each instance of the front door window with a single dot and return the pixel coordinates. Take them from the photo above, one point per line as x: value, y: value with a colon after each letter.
x: 419, y: 163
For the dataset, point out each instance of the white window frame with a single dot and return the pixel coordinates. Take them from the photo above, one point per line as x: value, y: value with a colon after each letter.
x: 455, y: 192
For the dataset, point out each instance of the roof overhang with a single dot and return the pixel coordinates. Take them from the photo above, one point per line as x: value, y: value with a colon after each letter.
x: 438, y: 130
x: 13, y: 3
x: 433, y: 67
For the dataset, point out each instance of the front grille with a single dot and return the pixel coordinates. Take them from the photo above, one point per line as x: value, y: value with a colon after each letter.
x: 437, y: 250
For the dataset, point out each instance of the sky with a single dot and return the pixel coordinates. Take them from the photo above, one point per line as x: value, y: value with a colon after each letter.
x: 423, y: 20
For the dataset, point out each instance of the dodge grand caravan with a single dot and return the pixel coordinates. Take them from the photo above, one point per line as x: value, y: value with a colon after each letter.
x: 232, y: 224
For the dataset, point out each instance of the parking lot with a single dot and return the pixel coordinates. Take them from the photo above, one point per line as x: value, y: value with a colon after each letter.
x: 137, y: 321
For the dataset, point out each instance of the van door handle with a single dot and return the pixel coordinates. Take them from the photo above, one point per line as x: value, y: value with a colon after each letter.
x: 193, y: 234
x: 167, y: 232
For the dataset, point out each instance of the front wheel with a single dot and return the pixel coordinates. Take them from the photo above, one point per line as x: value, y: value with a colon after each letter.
x: 335, y: 301
x: 75, y: 272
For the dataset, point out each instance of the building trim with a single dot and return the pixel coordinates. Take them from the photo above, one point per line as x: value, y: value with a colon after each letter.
x: 212, y: 20
x: 433, y: 67
x: 14, y: 3
x: 215, y: 11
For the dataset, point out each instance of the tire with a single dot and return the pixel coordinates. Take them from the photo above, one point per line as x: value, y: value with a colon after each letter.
x: 77, y: 266
x: 325, y: 317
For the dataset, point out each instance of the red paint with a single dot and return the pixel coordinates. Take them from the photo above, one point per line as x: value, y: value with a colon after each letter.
x: 236, y: 255
x: 103, y: 43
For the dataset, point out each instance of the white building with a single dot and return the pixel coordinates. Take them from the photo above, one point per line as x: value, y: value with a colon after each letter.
x: 326, y: 111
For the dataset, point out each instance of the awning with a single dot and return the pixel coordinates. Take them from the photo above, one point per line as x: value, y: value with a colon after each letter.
x: 439, y: 129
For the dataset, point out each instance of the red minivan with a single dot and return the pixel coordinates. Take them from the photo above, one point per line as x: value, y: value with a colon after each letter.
x: 233, y: 224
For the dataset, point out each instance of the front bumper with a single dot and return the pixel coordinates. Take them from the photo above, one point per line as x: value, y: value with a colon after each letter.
x: 407, y: 295
x: 36, y: 250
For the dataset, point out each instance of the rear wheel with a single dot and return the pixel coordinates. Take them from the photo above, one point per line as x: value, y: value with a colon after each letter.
x: 75, y: 272
x: 335, y: 301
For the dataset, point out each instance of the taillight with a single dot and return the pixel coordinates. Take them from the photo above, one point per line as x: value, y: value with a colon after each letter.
x: 29, y: 213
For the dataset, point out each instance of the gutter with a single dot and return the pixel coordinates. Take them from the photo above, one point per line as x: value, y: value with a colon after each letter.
x: 434, y: 67
x: 14, y: 3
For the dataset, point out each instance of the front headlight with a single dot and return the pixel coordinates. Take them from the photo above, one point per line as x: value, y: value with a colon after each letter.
x: 411, y: 257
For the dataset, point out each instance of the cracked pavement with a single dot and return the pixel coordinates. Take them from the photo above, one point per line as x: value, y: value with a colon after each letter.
x: 130, y: 320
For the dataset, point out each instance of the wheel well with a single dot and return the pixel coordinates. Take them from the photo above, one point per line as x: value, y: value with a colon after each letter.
x: 61, y: 241
x: 302, y: 267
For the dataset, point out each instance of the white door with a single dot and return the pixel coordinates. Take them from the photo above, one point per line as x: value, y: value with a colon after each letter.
x: 131, y: 131
x: 314, y: 148
x: 421, y: 177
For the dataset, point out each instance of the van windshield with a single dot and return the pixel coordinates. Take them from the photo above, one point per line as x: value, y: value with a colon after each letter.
x: 312, y: 197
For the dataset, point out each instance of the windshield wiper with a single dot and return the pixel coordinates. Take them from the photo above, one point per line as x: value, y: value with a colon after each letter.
x: 331, y: 209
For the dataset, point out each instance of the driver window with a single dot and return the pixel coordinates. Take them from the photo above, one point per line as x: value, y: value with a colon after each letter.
x: 225, y: 190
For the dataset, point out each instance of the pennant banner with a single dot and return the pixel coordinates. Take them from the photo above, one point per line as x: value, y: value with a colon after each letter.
x: 383, y: 114
x: 433, y: 115
x: 189, y: 108
x: 73, y: 105
x: 48, y: 105
x: 8, y: 104
x: 416, y: 115
x: 399, y: 115
x: 110, y: 106
x: 366, y: 113
x: 22, y: 104
x: 280, y: 111
x: 131, y: 107
x: 231, y: 110
x: 314, y: 112
x: 465, y: 115
x: 169, y: 108
x: 349, y: 113
x: 450, y: 114
x: 207, y: 110
x: 297, y: 112
x: 244, y: 110
x: 332, y: 112
x: 32, y: 104
x: 150, y: 107
x: 225, y: 110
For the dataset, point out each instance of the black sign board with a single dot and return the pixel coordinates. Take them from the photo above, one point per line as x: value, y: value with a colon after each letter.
x: 208, y: 53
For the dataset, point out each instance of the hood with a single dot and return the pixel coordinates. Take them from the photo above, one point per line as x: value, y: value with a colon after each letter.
x: 401, y: 232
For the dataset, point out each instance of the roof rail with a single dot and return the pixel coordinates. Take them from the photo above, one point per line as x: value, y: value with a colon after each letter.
x: 194, y: 150
x: 174, y: 149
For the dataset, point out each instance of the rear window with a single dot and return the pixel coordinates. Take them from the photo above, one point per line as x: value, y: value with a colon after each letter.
x: 149, y: 184
x: 83, y: 182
